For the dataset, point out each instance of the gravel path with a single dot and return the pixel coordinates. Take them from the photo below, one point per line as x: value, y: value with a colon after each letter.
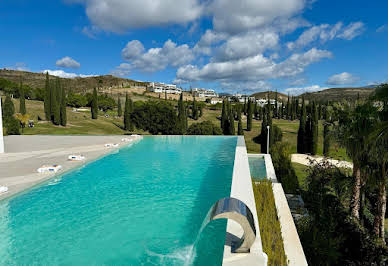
x: 306, y: 160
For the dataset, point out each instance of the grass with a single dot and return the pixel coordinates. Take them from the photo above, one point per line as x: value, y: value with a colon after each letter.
x: 270, y: 230
x: 301, y: 173
x: 81, y: 123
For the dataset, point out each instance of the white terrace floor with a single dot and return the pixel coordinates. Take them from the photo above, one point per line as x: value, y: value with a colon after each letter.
x: 25, y: 154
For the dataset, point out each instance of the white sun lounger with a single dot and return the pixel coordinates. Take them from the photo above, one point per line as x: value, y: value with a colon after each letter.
x: 111, y: 145
x: 49, y: 168
x: 76, y: 157
x: 126, y: 140
x: 3, y: 189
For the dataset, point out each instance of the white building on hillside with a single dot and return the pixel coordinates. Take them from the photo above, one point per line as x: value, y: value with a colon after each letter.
x: 204, y: 93
x: 263, y: 102
x: 163, y: 88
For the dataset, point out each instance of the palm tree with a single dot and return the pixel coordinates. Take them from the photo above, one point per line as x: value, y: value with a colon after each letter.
x: 353, y: 129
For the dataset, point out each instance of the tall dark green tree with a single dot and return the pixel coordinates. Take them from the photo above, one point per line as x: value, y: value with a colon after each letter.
x: 314, y: 129
x: 127, y: 113
x: 276, y: 105
x: 240, y: 130
x: 22, y: 100
x: 249, y: 116
x: 11, y: 124
x: 326, y: 138
x: 55, y: 103
x: 302, y: 127
x: 63, y: 113
x: 224, y: 116
x: 195, y: 110
x: 94, y: 106
x: 182, y: 118
x: 288, y: 108
x: 47, y: 98
x: 119, y: 109
x: 231, y: 121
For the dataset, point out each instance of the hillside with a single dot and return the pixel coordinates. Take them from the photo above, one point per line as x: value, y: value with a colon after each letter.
x: 37, y: 80
x: 339, y: 94
x: 262, y: 95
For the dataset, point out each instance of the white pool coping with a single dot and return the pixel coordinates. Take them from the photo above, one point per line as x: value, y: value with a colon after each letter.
x: 242, y: 189
x: 292, y: 245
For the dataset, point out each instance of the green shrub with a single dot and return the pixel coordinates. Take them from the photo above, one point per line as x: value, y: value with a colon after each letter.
x: 204, y: 128
x: 285, y: 173
x: 270, y: 231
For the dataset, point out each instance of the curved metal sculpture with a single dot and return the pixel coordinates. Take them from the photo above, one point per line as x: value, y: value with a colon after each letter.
x: 231, y: 208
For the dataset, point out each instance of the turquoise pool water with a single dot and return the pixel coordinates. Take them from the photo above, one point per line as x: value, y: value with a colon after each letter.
x: 257, y: 167
x: 141, y: 206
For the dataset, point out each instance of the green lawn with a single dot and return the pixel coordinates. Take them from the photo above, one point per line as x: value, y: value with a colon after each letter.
x: 81, y: 123
x: 301, y: 173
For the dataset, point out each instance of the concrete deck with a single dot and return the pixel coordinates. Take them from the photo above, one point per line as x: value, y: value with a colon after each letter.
x: 25, y: 154
x: 242, y: 189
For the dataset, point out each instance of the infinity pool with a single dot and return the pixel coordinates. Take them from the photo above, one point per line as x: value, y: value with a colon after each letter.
x: 143, y: 205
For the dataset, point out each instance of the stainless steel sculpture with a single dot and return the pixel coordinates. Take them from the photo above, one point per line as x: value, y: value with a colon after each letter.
x: 231, y: 208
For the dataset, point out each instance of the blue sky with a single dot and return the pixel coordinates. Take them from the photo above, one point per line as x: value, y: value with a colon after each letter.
x: 231, y: 46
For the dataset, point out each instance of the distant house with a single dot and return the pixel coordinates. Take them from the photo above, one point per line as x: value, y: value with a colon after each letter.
x: 163, y: 88
x: 204, y: 93
x: 215, y: 101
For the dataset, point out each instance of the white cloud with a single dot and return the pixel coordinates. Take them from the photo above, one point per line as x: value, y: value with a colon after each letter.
x: 353, y: 30
x: 298, y: 82
x: 237, y: 16
x: 122, y: 70
x: 298, y: 91
x: 383, y: 28
x: 63, y: 74
x: 68, y: 62
x: 255, y: 68
x: 156, y: 59
x: 344, y: 78
x: 122, y: 15
x: 20, y: 66
x: 91, y: 31
x: 246, y: 45
x: 326, y: 32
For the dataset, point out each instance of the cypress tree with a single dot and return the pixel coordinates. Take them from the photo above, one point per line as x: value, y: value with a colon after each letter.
x: 11, y: 124
x: 245, y: 106
x: 256, y: 110
x: 263, y: 135
x: 47, y: 104
x: 326, y: 138
x: 63, y: 107
x: 302, y: 127
x: 288, y: 108
x: 56, y: 101
x: 308, y: 134
x: 182, y: 119
x: 195, y: 110
x: 119, y: 109
x: 249, y: 117
x: 231, y: 122
x: 240, y: 130
x: 224, y: 116
x: 297, y: 107
x: 94, y: 106
x: 8, y: 108
x: 131, y: 125
x: 22, y: 100
x: 126, y: 113
x: 276, y: 105
x: 314, y: 129
x: 165, y: 95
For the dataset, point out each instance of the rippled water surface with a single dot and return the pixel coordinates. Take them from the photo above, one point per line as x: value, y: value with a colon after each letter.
x: 141, y: 206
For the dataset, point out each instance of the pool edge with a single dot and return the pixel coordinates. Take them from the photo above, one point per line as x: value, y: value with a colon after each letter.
x: 242, y: 189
